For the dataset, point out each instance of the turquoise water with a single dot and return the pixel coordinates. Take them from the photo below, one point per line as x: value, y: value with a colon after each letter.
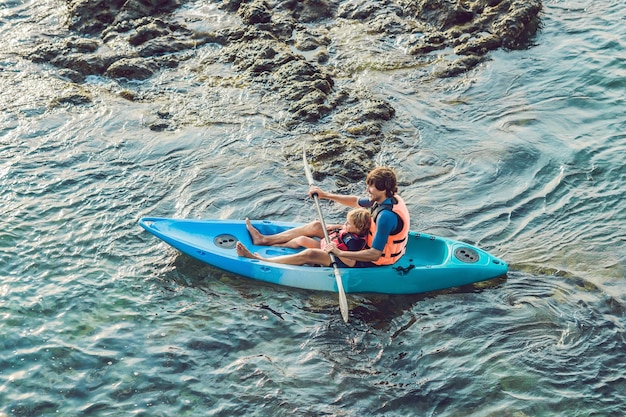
x: 524, y: 156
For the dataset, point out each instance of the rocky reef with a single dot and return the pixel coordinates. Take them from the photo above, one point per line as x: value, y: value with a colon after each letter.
x: 283, y: 48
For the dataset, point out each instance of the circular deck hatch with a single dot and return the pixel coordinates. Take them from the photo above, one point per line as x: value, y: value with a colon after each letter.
x: 225, y: 241
x: 467, y: 255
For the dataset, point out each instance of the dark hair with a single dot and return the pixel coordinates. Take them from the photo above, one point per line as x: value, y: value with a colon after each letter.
x: 384, y: 179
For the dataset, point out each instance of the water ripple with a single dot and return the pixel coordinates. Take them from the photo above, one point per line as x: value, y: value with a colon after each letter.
x: 521, y: 156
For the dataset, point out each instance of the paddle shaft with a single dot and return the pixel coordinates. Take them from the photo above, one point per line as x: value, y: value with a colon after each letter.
x: 343, y: 301
x: 319, y: 214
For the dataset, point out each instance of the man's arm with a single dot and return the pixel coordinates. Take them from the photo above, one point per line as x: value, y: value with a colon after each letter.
x: 365, y: 255
x: 346, y: 200
x: 387, y: 222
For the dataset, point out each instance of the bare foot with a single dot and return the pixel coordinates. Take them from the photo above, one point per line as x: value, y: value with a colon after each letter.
x: 244, y: 252
x: 257, y: 237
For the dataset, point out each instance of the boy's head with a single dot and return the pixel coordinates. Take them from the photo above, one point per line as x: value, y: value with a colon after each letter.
x: 360, y: 218
x: 384, y: 179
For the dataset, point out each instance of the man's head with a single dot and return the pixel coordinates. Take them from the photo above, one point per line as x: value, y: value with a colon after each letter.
x: 384, y: 179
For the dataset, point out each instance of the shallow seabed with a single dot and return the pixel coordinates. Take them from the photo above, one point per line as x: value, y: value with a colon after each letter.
x: 523, y: 156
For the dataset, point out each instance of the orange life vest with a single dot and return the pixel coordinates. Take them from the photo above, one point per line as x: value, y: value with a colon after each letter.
x: 396, y: 242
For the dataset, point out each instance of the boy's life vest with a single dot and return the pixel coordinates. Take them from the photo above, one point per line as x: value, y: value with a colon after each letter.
x: 345, y: 240
x: 396, y: 242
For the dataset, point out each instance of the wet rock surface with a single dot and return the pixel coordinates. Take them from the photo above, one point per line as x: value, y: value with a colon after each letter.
x: 135, y: 39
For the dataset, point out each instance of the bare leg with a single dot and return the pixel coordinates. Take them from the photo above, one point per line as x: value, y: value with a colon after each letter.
x: 313, y: 229
x: 307, y: 256
x: 302, y: 242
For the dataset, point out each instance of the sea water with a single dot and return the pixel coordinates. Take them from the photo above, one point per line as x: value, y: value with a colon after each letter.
x: 523, y: 156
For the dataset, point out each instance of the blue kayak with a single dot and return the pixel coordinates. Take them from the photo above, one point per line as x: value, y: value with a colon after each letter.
x: 430, y: 263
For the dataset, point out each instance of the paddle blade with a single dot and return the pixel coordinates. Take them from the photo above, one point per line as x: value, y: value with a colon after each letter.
x: 307, y: 169
x: 343, y: 301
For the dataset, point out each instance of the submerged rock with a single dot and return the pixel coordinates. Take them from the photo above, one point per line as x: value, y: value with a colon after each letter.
x: 131, y: 68
x: 71, y: 96
x: 135, y: 39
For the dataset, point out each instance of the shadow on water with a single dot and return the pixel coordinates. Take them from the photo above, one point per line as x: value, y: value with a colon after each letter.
x: 378, y: 310
x: 369, y: 310
x: 374, y: 311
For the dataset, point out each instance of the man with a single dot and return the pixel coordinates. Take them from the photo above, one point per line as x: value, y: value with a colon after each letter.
x: 389, y: 228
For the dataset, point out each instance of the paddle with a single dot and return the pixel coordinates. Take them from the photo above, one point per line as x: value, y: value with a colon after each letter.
x: 343, y: 301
